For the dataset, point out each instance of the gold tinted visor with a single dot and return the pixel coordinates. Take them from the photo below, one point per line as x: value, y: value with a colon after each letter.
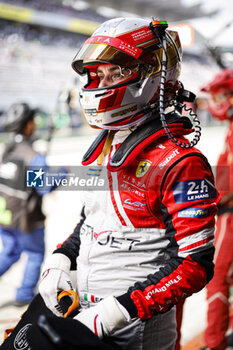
x: 99, y: 53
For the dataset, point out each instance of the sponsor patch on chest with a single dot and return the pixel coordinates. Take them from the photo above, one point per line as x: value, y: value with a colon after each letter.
x: 143, y: 167
x: 134, y: 205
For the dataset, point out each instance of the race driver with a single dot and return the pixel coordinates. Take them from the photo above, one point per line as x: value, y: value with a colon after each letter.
x: 219, y: 314
x: 145, y: 242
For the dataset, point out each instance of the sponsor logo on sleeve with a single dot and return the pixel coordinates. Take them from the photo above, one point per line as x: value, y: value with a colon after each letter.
x: 193, y: 190
x: 194, y: 213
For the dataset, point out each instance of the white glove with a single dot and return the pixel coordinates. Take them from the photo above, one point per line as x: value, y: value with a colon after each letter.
x: 104, y: 318
x: 55, y: 278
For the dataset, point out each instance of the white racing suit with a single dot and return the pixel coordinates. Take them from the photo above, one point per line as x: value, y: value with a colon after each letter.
x: 147, y: 238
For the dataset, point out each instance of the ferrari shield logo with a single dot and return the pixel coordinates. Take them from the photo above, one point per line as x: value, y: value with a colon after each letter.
x: 142, y: 168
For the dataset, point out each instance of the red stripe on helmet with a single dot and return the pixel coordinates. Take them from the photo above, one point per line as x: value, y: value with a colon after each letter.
x: 138, y: 36
x: 112, y: 100
x: 120, y: 95
x: 117, y: 43
x: 107, y: 101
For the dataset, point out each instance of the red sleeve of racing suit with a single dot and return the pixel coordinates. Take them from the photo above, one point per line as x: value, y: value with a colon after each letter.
x: 188, y: 204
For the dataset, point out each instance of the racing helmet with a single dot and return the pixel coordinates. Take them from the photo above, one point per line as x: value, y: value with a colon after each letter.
x: 220, y: 103
x: 137, y: 52
x: 16, y: 117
